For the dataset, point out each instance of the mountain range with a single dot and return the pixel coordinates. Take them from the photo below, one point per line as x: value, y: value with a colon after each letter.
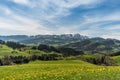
x: 54, y: 40
x: 75, y: 41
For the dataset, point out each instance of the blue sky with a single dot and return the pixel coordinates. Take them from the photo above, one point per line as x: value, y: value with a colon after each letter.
x: 94, y: 18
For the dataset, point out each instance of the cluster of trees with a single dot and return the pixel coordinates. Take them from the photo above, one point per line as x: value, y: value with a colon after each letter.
x: 14, y: 45
x: 62, y: 50
x: 9, y: 60
x: 115, y: 54
x: 47, y: 56
x: 103, y: 60
x: 2, y: 42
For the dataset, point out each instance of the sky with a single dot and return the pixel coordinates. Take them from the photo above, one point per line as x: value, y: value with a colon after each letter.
x: 93, y: 18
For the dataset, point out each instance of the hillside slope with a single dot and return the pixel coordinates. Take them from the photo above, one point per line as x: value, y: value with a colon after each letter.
x: 7, y: 51
x: 96, y: 45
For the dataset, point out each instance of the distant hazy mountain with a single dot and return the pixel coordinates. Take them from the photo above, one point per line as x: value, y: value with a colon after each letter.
x: 14, y: 37
x: 54, y: 40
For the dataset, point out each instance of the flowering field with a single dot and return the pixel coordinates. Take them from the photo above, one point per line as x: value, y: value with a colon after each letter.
x: 59, y: 70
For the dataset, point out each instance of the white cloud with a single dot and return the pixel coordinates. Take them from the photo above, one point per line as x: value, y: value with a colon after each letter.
x: 111, y: 36
x: 20, y: 24
x: 60, y: 3
x: 101, y: 25
x: 113, y: 27
x: 15, y: 23
x: 113, y: 16
x: 29, y: 27
x: 98, y: 20
x: 21, y: 1
x: 65, y: 30
x: 5, y: 10
x: 51, y: 10
x: 74, y: 3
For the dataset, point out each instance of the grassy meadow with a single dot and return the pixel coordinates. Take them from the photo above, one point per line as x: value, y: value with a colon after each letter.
x: 59, y: 70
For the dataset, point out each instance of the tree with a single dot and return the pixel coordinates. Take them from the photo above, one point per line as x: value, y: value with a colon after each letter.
x: 14, y: 45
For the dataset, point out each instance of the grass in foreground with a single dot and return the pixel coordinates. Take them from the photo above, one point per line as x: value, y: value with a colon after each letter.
x: 59, y: 70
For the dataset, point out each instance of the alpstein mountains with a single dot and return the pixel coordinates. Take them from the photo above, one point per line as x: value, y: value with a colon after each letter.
x: 54, y: 40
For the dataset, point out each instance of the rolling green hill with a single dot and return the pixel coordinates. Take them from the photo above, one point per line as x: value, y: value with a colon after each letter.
x: 7, y: 51
x: 96, y: 45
